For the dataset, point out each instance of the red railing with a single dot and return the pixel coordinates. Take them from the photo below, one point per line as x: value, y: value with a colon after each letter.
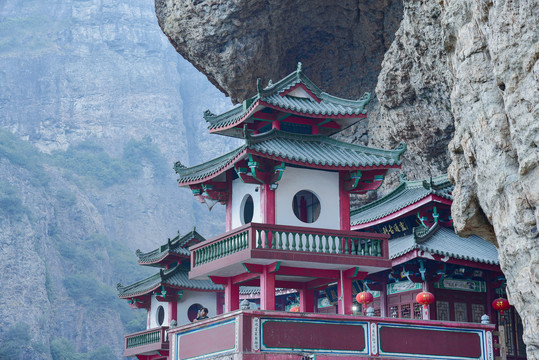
x: 274, y: 335
x: 290, y: 238
x: 146, y: 341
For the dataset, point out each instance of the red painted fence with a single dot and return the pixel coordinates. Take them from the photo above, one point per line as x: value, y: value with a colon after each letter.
x: 279, y: 335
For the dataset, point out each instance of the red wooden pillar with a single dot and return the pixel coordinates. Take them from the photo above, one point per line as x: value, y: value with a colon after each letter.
x: 314, y: 130
x: 491, y: 295
x: 306, y: 300
x: 344, y: 286
x: 232, y: 296
x: 267, y: 289
x: 219, y: 302
x: 172, y: 310
x: 428, y: 310
x: 344, y: 202
x: 383, y: 300
x: 268, y: 204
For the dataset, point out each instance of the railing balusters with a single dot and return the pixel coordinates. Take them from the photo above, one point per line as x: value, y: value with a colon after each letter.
x: 274, y: 238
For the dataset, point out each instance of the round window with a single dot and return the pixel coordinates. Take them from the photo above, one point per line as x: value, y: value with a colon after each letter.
x: 247, y: 209
x: 160, y: 315
x: 306, y: 206
x: 193, y: 310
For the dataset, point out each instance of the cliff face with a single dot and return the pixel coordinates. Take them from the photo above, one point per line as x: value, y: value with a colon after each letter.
x: 493, y: 50
x: 459, y: 84
x: 95, y: 107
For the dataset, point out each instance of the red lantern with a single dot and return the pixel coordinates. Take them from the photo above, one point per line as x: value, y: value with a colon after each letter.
x: 501, y: 305
x: 425, y: 298
x: 364, y: 298
x: 294, y: 309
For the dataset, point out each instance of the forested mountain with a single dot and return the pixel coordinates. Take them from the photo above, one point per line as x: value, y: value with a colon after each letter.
x: 95, y: 106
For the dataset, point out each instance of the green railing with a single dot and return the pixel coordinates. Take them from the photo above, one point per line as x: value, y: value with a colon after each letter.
x: 223, y: 247
x: 290, y: 238
x: 318, y: 243
x: 147, y: 337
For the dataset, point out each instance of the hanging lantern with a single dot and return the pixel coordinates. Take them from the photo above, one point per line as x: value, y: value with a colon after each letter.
x: 294, y: 308
x: 425, y: 298
x: 501, y: 305
x: 364, y: 298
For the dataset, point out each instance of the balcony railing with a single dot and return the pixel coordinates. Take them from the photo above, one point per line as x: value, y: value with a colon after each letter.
x: 260, y: 335
x: 290, y: 238
x: 146, y: 341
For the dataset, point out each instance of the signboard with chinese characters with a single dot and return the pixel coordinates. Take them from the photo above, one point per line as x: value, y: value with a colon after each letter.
x: 460, y: 284
x: 397, y: 228
x: 402, y: 286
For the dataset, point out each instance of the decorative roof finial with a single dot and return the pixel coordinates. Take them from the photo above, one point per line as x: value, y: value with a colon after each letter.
x: 258, y: 85
x: 401, y: 148
x: 194, y: 228
x: 118, y: 286
x: 403, y: 177
x: 208, y: 114
x: 300, y: 66
x: 178, y: 165
x: 138, y: 252
x: 270, y: 83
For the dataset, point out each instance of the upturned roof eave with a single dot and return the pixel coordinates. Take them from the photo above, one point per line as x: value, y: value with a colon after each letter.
x: 416, y: 185
x: 388, y: 159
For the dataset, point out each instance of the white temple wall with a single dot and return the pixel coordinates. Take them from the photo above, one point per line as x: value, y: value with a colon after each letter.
x: 153, y: 316
x: 324, y: 184
x: 239, y: 192
x: 189, y: 297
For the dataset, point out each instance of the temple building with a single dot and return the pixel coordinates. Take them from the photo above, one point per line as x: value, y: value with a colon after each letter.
x: 357, y: 284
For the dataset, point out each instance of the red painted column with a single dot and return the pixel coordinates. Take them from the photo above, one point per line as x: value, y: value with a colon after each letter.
x: 428, y: 310
x: 172, y: 311
x: 267, y: 204
x: 344, y: 286
x: 314, y: 130
x: 232, y: 296
x: 267, y: 290
x: 344, y: 202
x: 491, y: 295
x: 229, y: 177
x: 383, y: 300
x: 219, y: 302
x: 306, y: 300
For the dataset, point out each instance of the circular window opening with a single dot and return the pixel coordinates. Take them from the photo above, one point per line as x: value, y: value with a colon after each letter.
x: 306, y: 206
x: 247, y: 209
x: 160, y: 315
x: 193, y: 310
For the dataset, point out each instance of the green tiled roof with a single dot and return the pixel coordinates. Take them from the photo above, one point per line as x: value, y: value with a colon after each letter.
x: 407, y: 193
x: 313, y: 150
x: 177, y: 277
x: 443, y: 241
x: 271, y: 94
x: 174, y: 246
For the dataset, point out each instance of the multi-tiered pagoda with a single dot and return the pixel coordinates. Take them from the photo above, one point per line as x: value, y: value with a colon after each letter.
x: 288, y: 230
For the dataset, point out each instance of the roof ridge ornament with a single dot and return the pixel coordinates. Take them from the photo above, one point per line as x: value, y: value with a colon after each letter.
x: 119, y: 286
x: 138, y: 252
x: 258, y: 86
x: 208, y: 114
x: 401, y: 148
x: 300, y: 67
x: 402, y: 177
